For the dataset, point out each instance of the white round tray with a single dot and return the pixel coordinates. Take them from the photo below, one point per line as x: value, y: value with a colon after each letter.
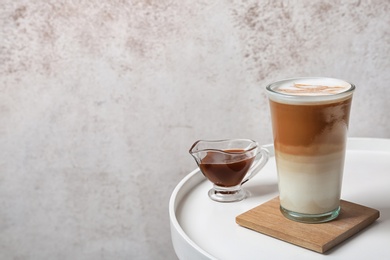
x: 204, y: 229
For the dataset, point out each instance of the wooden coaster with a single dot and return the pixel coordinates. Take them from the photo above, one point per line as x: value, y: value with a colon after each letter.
x: 268, y: 219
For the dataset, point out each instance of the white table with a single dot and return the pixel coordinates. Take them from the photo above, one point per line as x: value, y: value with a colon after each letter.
x: 204, y: 229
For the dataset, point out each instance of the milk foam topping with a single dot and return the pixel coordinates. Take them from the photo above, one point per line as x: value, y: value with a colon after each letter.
x: 313, y: 90
x: 313, y: 87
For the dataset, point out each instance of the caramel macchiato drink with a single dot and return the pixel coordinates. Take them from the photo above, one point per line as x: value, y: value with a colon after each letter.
x: 310, y: 121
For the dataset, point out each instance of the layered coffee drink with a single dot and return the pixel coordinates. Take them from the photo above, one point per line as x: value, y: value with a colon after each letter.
x: 310, y: 122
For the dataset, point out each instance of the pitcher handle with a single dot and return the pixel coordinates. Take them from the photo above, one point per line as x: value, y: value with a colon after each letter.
x: 258, y: 165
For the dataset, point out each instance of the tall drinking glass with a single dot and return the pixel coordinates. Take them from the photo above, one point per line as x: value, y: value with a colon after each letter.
x: 310, y: 118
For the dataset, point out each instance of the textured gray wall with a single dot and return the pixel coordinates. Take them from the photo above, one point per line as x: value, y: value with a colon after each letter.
x: 100, y: 101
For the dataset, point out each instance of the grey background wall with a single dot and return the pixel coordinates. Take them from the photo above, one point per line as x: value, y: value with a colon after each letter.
x: 101, y: 100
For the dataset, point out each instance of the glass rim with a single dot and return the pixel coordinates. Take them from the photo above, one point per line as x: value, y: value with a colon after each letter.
x: 307, y: 98
x: 245, y: 150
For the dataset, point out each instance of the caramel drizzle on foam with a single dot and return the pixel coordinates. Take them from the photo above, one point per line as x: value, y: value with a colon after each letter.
x: 313, y: 89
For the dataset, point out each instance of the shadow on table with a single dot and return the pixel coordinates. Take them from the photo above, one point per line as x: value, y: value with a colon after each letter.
x: 261, y: 190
